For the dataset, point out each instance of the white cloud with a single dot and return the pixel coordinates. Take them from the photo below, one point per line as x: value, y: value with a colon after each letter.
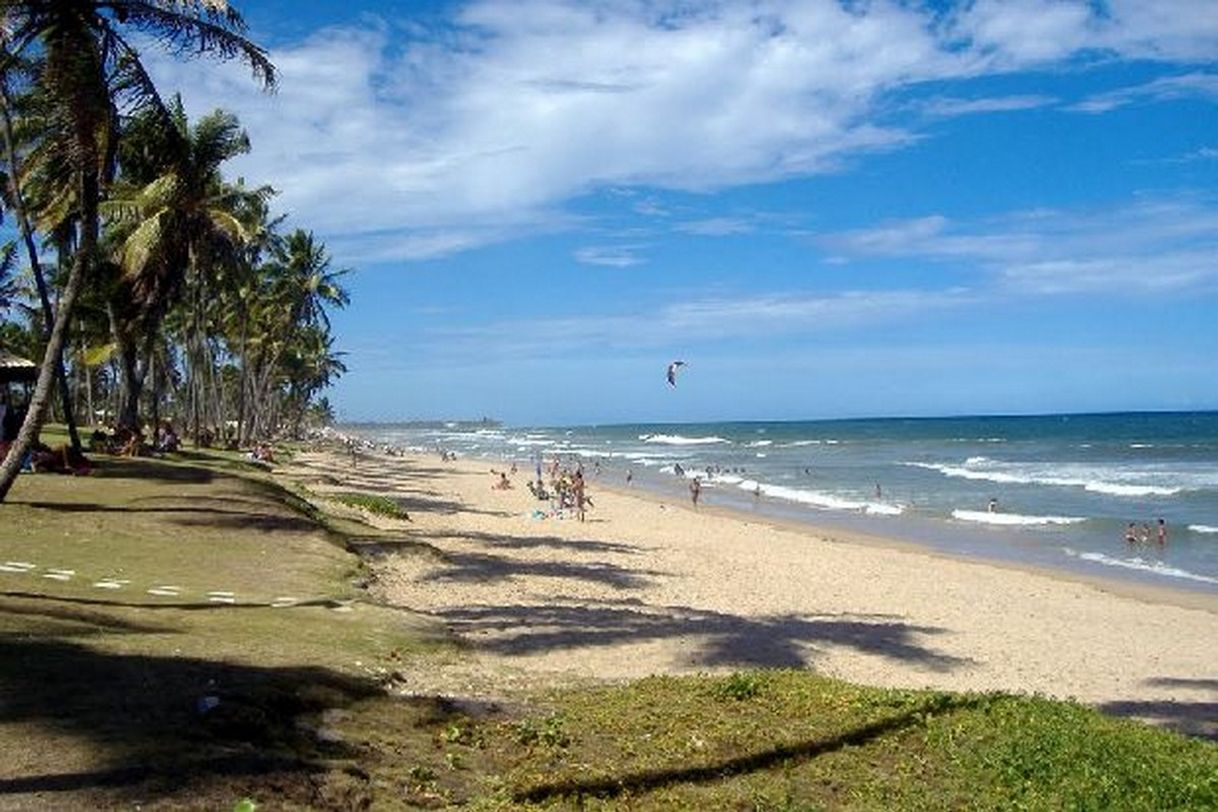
x: 410, y: 142
x: 945, y: 107
x: 716, y: 227
x: 1168, y: 88
x: 613, y: 256
x: 1148, y: 246
x: 704, y: 319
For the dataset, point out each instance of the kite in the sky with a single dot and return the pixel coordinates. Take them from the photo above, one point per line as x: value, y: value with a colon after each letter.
x: 672, y: 372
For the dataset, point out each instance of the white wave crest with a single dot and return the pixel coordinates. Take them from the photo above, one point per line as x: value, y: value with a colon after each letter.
x: 1203, y: 528
x: 760, y: 443
x: 800, y: 443
x: 1030, y: 478
x: 986, y: 517
x: 1141, y: 564
x: 820, y: 499
x: 677, y: 439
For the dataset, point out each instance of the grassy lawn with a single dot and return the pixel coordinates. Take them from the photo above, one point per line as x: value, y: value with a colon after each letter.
x: 113, y: 696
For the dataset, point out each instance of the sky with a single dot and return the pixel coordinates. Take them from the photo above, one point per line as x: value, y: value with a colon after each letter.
x: 827, y: 208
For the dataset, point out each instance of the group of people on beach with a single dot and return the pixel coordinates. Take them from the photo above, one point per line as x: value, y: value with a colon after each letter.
x: 1140, y: 534
x: 567, y: 489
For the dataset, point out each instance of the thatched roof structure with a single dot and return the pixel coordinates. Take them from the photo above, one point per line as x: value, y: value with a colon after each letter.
x: 14, y: 368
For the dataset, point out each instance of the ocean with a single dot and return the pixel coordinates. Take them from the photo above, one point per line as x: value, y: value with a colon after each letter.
x: 1054, y: 491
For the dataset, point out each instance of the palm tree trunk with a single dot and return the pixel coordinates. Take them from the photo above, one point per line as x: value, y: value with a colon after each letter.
x: 17, y: 201
x: 36, y: 415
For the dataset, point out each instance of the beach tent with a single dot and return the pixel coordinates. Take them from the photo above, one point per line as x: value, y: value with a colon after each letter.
x: 15, y: 369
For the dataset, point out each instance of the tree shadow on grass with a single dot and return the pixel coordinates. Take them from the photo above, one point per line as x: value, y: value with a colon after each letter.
x: 150, y: 469
x: 189, y: 606
x: 791, y: 755
x: 265, y: 522
x: 157, y: 722
x: 1191, y: 717
x: 66, y: 619
x: 782, y: 641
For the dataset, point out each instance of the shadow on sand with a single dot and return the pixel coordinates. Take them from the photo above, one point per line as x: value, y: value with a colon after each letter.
x: 730, y: 641
x: 1191, y: 717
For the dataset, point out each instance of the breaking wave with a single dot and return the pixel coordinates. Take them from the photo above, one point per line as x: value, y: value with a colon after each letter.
x: 1142, y: 565
x: 677, y: 439
x: 1012, y: 475
x: 1012, y: 519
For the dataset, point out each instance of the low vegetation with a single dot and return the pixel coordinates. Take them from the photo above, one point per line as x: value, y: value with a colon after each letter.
x: 115, y: 696
x: 378, y: 505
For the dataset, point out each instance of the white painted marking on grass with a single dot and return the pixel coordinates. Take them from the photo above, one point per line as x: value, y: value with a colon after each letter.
x: 218, y: 594
x: 57, y: 576
x: 107, y: 585
x: 19, y: 566
x: 57, y: 571
x: 165, y: 591
x: 221, y: 599
x: 281, y: 603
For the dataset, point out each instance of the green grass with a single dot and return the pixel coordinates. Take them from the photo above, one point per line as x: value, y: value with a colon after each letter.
x: 100, y: 690
x: 379, y: 505
x: 792, y: 741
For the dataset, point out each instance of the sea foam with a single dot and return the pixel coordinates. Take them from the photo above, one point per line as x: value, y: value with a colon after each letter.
x: 1141, y: 564
x: 1016, y: 476
x: 820, y: 499
x: 1203, y: 528
x: 677, y: 439
x: 987, y: 517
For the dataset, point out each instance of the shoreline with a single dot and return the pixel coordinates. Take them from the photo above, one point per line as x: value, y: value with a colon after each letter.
x: 1181, y: 596
x: 652, y: 586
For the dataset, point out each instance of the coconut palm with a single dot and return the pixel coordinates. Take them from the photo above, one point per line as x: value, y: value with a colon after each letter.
x: 183, y: 222
x: 83, y: 50
x: 15, y: 200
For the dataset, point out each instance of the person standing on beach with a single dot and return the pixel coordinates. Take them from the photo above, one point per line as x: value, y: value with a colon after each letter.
x: 695, y: 490
x: 581, y: 498
x: 1162, y: 533
x: 629, y: 476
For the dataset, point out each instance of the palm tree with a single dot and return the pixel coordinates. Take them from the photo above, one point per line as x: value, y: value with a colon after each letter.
x: 182, y: 223
x: 299, y: 286
x: 83, y: 50
x: 11, y: 289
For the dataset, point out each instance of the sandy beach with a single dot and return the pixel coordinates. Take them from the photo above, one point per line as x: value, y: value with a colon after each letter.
x: 647, y: 586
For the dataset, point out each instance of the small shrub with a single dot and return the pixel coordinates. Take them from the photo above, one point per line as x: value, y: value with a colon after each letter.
x: 739, y: 686
x: 379, y: 505
x: 548, y: 732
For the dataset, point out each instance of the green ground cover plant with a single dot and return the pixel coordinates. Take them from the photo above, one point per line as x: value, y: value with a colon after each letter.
x: 379, y: 505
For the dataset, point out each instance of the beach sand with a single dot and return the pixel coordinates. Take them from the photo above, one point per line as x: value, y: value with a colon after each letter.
x: 649, y: 586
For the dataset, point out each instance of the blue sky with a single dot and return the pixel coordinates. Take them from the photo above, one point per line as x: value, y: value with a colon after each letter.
x: 827, y: 209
